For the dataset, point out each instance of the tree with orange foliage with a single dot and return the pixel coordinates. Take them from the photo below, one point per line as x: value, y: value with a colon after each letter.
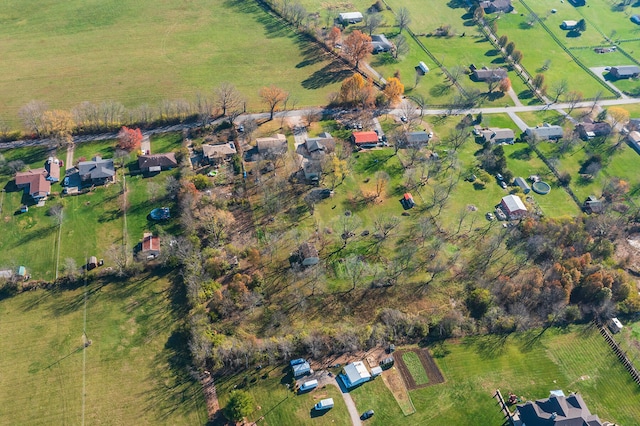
x: 334, y: 37
x: 273, y: 96
x: 357, y: 46
x: 505, y: 85
x: 357, y: 91
x: 129, y: 139
x: 59, y: 125
x: 394, y: 89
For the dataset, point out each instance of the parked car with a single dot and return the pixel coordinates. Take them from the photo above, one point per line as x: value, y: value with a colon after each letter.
x: 490, y: 216
x: 367, y: 415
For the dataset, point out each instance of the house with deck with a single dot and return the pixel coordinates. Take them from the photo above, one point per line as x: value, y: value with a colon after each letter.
x: 157, y: 162
x: 98, y: 171
x: 557, y: 410
x: 35, y: 183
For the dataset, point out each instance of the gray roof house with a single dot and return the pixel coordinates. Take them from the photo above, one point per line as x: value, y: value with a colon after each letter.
x: 557, y: 410
x: 97, y: 171
x: 492, y: 6
x: 513, y: 206
x: 417, y: 139
x: 312, y: 170
x: 625, y: 71
x: 589, y: 129
x: 380, y: 43
x: 276, y: 144
x: 487, y: 74
x: 522, y: 184
x: 495, y: 135
x: 318, y: 147
x: 218, y: 153
x: 593, y: 205
x: 545, y: 132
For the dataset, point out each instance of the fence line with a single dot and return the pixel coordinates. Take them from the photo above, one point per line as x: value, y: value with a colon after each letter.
x: 622, y: 356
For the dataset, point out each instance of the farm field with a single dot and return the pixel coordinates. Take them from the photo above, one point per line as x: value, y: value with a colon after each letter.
x: 69, y: 52
x: 415, y: 368
x: 91, y: 223
x: 136, y: 365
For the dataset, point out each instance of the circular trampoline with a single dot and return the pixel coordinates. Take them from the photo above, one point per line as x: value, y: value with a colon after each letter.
x: 161, y: 213
x: 540, y: 187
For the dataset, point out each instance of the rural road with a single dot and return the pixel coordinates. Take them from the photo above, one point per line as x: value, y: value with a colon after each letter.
x: 265, y: 115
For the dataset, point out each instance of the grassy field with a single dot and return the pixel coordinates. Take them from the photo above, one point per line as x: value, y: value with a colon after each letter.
x: 65, y: 53
x: 415, y: 367
x: 135, y: 370
x: 280, y: 405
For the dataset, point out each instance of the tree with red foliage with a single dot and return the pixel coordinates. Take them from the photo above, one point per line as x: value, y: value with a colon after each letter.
x: 129, y: 139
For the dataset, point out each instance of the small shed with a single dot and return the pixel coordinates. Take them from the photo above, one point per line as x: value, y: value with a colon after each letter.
x: 350, y: 17
x: 308, y: 254
x: 387, y: 362
x: 407, y: 201
x: 422, y: 67
x: 308, y: 385
x: 22, y: 271
x: 615, y: 325
x: 522, y: 184
x: 376, y: 371
x: 92, y: 263
x: 568, y: 25
x: 300, y: 367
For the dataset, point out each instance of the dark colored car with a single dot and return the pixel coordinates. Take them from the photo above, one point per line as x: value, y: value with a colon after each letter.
x: 367, y: 414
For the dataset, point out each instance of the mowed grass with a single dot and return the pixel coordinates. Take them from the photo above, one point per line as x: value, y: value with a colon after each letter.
x: 136, y: 365
x: 281, y: 406
x: 412, y: 361
x: 68, y: 52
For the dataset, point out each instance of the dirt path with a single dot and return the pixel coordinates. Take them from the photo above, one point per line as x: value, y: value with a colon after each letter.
x: 210, y: 396
x: 69, y: 160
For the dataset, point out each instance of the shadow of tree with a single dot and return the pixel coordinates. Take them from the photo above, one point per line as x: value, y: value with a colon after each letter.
x: 333, y: 72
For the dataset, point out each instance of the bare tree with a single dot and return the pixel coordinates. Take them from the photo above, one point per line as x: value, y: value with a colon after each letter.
x: 403, y: 18
x: 372, y: 22
x: 348, y: 224
x: 117, y: 255
x: 273, y: 96
x: 384, y: 225
x: 401, y: 47
x: 32, y: 116
x: 573, y: 99
x: 354, y: 268
x: 227, y: 98
x: 56, y: 212
x: 382, y: 180
x: 560, y: 88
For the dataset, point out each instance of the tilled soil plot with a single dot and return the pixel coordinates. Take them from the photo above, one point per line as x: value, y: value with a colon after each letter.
x: 433, y: 372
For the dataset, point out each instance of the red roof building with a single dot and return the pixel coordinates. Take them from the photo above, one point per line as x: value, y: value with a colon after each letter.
x: 35, y: 183
x: 150, y: 244
x: 365, y: 138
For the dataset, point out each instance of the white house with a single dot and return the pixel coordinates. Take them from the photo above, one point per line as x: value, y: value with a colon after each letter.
x: 355, y: 374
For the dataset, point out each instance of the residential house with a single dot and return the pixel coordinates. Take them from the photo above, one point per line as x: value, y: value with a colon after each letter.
x: 35, y: 183
x: 380, y: 43
x: 513, y: 206
x: 157, y: 162
x: 98, y: 171
x: 634, y: 140
x: 487, y: 74
x: 308, y: 254
x: 350, y: 17
x: 318, y: 147
x: 545, y: 132
x: 300, y: 367
x: 493, y: 6
x: 593, y: 205
x: 272, y: 145
x: 494, y: 135
x: 52, y: 166
x: 589, y: 129
x: 624, y: 71
x: 355, y: 374
x: 569, y: 25
x: 633, y: 124
x: 416, y: 139
x: 556, y: 410
x: 365, y: 139
x: 217, y: 154
x: 522, y: 184
x: 150, y: 245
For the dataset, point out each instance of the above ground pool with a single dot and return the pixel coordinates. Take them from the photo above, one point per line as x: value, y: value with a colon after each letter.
x: 541, y: 187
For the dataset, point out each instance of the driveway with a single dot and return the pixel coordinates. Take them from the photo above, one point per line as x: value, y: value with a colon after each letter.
x: 326, y: 378
x: 599, y: 71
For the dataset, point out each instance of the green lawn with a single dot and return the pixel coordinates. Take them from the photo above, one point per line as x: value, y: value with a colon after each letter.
x: 281, y: 406
x: 68, y: 52
x: 376, y: 396
x: 136, y: 365
x: 412, y: 361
